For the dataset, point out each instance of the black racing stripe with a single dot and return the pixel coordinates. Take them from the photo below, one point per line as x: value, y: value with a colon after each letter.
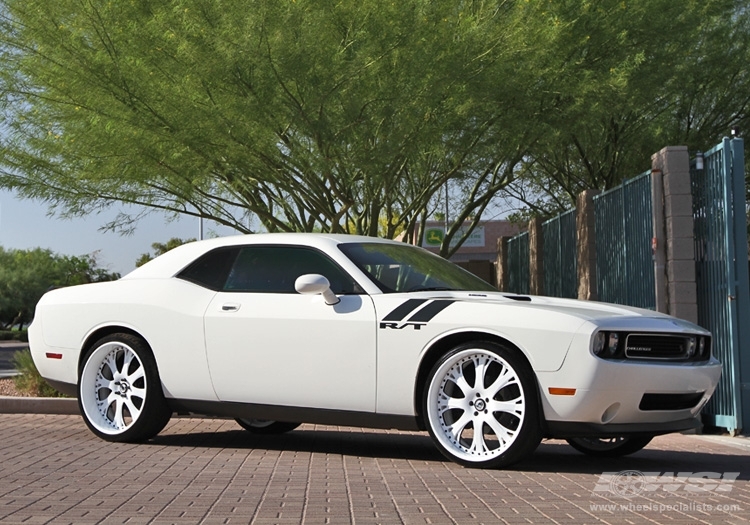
x: 426, y: 314
x: 403, y: 310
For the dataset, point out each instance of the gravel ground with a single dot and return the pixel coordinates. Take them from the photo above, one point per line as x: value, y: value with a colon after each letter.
x: 8, y: 388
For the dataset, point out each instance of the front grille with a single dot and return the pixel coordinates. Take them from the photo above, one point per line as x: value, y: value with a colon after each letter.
x: 655, y: 346
x: 669, y: 401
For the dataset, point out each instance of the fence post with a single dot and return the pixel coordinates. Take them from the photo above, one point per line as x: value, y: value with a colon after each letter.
x: 742, y: 279
x: 586, y: 245
x: 536, y: 257
x: 501, y: 264
x: 658, y: 244
x: 674, y: 163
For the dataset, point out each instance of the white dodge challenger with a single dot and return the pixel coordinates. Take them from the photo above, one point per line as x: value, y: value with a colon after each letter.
x: 279, y: 329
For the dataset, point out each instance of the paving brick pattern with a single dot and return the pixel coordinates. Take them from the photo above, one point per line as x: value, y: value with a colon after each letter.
x: 53, y: 470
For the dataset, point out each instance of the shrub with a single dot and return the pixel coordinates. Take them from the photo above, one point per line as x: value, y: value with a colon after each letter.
x: 29, y: 381
x: 14, y: 335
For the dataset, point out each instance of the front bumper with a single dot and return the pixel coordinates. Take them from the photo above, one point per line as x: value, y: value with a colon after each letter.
x: 609, y: 393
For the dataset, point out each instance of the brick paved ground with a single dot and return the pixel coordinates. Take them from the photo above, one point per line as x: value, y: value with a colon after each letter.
x: 52, y: 470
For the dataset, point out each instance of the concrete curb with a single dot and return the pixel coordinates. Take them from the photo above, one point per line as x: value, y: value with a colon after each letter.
x: 38, y: 405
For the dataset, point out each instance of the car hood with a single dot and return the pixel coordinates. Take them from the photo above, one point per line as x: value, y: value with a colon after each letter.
x: 596, y: 312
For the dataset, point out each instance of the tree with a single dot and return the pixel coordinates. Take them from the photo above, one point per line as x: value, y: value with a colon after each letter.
x: 634, y: 77
x: 353, y: 116
x: 25, y: 275
x: 160, y: 249
x: 309, y: 116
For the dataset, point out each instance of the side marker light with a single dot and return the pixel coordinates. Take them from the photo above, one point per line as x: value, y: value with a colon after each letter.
x: 562, y: 391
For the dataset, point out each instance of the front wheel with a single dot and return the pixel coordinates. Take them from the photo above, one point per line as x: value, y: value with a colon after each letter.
x: 266, y: 426
x: 119, y: 391
x: 481, y: 406
x: 611, y: 447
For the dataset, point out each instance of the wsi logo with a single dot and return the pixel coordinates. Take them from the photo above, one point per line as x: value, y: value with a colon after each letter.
x: 630, y: 483
x: 422, y: 311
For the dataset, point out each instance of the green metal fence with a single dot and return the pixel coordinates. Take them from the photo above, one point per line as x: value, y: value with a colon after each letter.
x: 721, y: 266
x: 624, y: 229
x: 518, y: 264
x: 559, y: 237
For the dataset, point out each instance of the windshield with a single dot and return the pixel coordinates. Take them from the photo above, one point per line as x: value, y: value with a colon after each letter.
x: 406, y: 268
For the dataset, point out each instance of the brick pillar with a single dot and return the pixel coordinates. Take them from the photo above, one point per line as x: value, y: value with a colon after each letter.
x: 586, y: 245
x: 536, y: 257
x: 501, y: 264
x: 674, y: 163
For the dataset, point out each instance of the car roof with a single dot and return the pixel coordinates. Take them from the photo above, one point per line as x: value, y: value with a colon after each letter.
x: 172, y: 262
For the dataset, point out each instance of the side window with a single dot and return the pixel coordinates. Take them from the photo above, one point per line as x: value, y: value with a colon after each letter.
x: 211, y: 269
x: 274, y: 269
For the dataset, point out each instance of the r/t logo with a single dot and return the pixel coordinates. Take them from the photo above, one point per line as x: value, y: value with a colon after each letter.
x: 401, y: 326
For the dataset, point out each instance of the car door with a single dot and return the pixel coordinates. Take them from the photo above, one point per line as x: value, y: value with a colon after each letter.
x: 267, y: 344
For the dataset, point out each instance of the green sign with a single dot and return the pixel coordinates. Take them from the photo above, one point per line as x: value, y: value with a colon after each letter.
x: 433, y: 236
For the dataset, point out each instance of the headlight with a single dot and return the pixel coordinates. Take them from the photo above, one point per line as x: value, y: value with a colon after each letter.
x: 692, y: 343
x: 599, y: 339
x: 614, y: 341
x: 701, y: 346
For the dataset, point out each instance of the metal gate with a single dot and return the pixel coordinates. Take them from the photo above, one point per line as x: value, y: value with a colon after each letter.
x: 518, y: 264
x: 721, y: 265
x: 559, y: 236
x: 623, y: 222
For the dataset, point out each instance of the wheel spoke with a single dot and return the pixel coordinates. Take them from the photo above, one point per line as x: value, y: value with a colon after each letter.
x: 134, y: 412
x: 457, y: 428
x: 505, y: 378
x: 453, y: 403
x: 104, y: 383
x: 111, y: 398
x: 514, y: 407
x: 135, y: 376
x: 119, y: 421
x: 503, y: 433
x: 111, y: 362
x: 138, y: 392
x: 478, y: 444
x: 481, y: 363
x: 457, y: 376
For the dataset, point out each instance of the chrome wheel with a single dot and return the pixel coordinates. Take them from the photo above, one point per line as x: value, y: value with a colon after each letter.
x: 609, y: 446
x: 481, y: 406
x: 266, y: 426
x: 119, y: 392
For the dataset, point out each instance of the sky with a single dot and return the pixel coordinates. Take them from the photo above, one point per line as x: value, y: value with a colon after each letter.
x: 26, y: 224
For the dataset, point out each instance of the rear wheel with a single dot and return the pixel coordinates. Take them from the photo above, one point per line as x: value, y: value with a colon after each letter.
x: 266, y: 426
x: 611, y: 447
x: 481, y: 406
x: 119, y: 391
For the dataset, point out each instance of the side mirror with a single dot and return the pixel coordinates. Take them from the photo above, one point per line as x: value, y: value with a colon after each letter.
x: 314, y: 284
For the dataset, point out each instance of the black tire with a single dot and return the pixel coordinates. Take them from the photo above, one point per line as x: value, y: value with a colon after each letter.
x: 609, y: 447
x: 265, y: 426
x: 510, y: 433
x: 119, y: 391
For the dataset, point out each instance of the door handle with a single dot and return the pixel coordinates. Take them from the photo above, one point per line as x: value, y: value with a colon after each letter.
x: 230, y: 307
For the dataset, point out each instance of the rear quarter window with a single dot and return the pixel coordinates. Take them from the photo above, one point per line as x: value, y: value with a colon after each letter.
x: 211, y: 269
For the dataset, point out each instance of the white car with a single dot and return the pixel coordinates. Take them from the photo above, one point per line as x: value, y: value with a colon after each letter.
x: 279, y: 329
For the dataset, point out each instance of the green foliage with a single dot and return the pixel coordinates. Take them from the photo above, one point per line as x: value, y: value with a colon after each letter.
x: 160, y: 249
x: 14, y: 335
x: 310, y: 116
x: 353, y: 116
x: 25, y: 275
x: 633, y: 77
x: 29, y: 381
